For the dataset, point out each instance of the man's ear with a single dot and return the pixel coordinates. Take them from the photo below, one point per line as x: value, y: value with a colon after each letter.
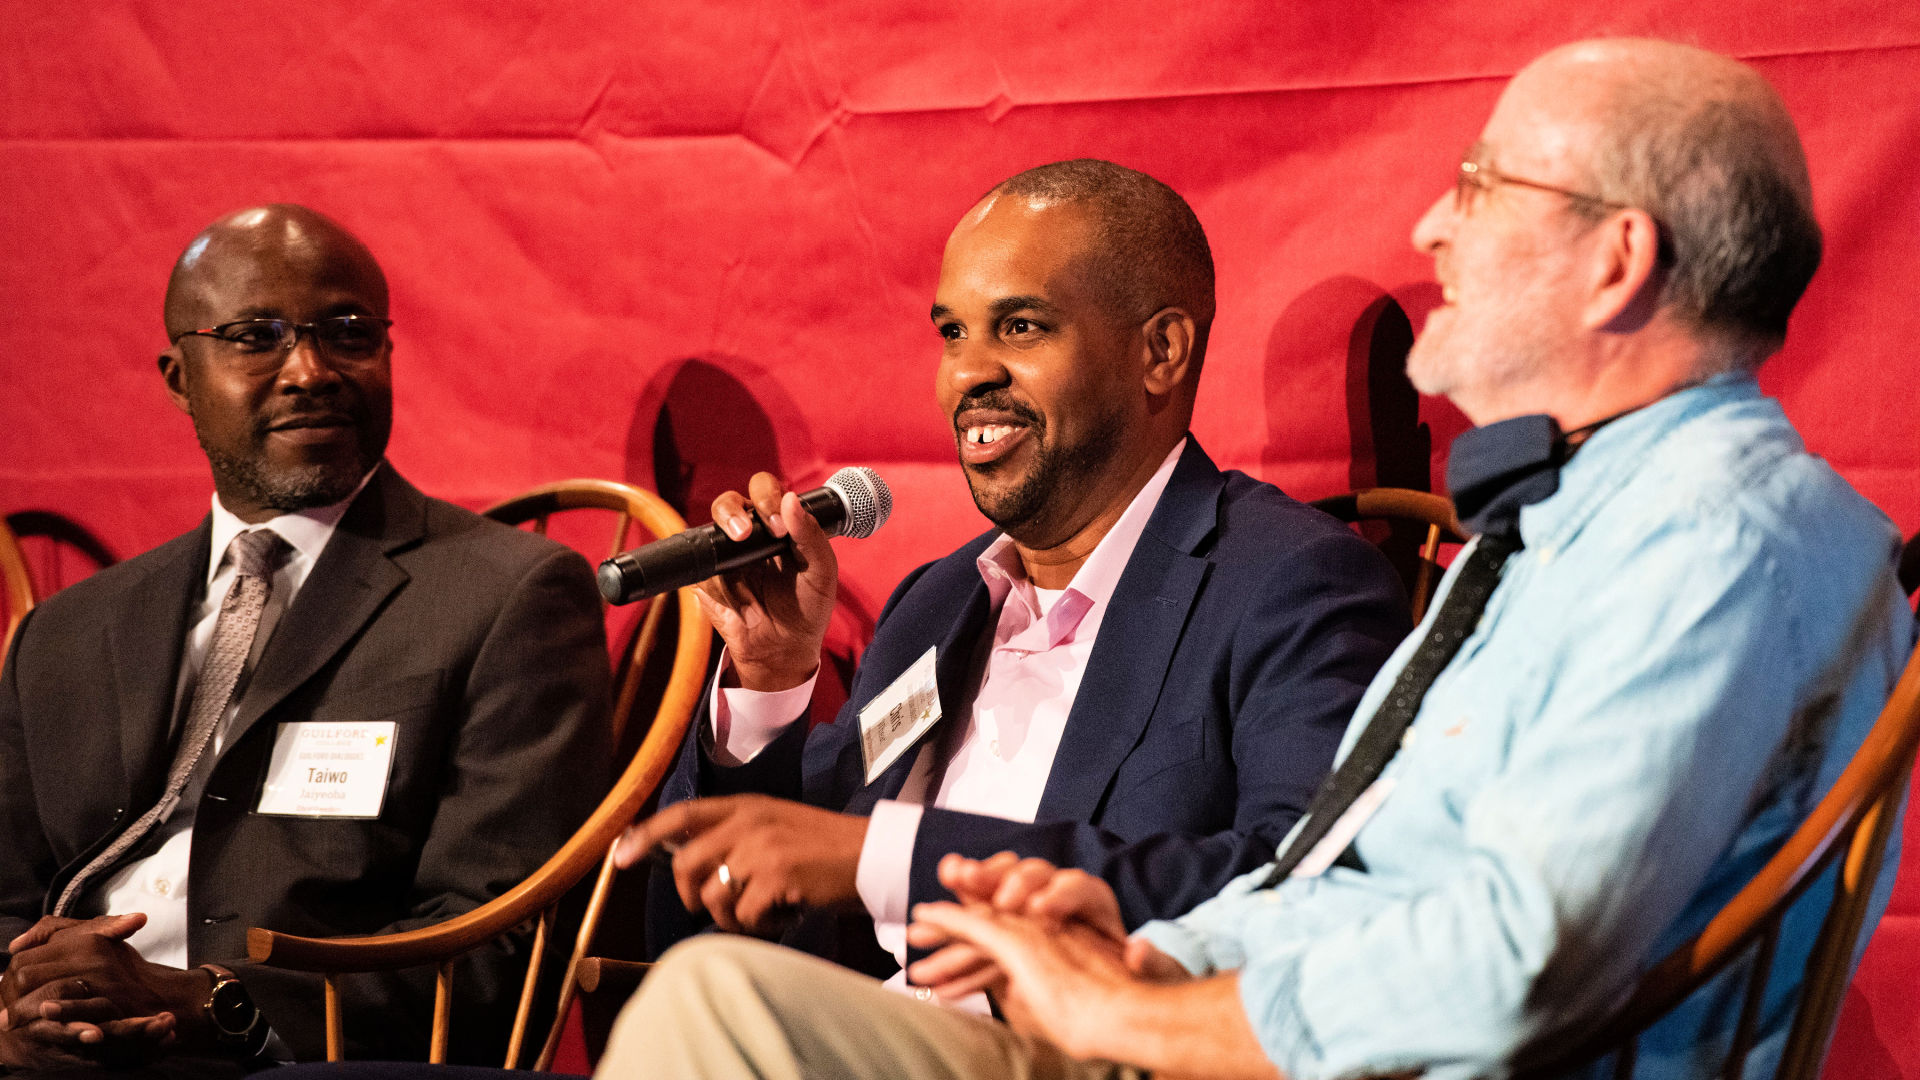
x: 173, y: 368
x: 1627, y: 274
x: 1170, y: 337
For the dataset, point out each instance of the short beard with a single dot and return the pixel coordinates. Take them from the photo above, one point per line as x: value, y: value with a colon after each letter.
x: 1054, y: 468
x: 1522, y: 354
x: 285, y: 490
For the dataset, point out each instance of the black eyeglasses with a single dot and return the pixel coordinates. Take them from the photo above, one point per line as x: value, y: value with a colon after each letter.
x: 1475, y: 177
x: 257, y: 346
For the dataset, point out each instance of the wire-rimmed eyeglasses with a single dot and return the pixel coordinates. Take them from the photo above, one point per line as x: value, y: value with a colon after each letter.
x: 257, y: 346
x: 1475, y: 177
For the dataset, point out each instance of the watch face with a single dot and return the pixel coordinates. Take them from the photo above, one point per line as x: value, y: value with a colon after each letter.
x: 231, y: 1008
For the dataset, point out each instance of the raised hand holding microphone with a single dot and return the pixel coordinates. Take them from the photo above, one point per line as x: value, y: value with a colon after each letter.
x: 751, y: 861
x: 772, y: 614
x: 854, y: 502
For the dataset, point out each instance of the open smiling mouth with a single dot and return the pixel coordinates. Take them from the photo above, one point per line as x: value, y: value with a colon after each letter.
x: 987, y: 434
x: 984, y: 443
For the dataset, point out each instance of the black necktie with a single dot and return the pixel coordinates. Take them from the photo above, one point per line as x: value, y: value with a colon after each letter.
x: 1492, y: 472
x: 1451, y: 626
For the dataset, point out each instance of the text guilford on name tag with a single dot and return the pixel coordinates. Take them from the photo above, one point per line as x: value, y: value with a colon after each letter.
x: 322, y: 769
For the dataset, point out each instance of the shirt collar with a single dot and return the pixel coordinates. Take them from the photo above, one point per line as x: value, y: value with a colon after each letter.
x: 1093, y: 584
x: 1616, y: 452
x: 306, y: 531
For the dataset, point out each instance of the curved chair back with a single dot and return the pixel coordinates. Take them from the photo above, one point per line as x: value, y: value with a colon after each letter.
x: 1434, y: 512
x: 16, y: 585
x: 539, y: 895
x: 1850, y: 824
x: 630, y: 506
x: 42, y: 552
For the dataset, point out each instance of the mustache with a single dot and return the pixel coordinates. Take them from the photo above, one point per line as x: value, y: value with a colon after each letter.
x: 997, y: 399
x: 353, y: 412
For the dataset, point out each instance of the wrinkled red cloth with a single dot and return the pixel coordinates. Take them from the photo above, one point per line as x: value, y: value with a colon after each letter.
x: 673, y: 244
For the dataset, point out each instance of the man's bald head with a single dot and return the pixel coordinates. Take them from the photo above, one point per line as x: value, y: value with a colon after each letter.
x: 276, y: 322
x: 1149, y: 251
x: 279, y: 233
x: 1705, y: 146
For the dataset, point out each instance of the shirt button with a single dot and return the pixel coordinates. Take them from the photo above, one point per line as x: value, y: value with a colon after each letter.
x: 923, y: 993
x: 162, y: 886
x: 994, y: 748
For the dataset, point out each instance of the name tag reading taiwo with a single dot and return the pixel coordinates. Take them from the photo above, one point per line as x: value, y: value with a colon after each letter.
x: 899, y: 715
x: 322, y: 769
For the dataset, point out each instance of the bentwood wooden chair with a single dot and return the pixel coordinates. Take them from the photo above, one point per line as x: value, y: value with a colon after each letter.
x: 1850, y: 826
x: 538, y: 897
x: 16, y: 584
x: 1422, y: 509
x: 42, y: 552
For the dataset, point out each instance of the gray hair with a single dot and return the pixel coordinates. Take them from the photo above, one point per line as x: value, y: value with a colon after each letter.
x: 1738, y: 240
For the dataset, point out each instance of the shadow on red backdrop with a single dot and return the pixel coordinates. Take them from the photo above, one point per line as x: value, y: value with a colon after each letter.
x: 675, y: 244
x: 1387, y: 445
x: 705, y: 427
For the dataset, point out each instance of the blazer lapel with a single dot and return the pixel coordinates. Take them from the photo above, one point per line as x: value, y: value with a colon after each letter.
x: 1138, y: 634
x: 144, y: 648
x: 954, y: 659
x: 345, y: 589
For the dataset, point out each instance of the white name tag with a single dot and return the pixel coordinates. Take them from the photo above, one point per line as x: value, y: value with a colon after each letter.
x: 899, y: 715
x: 319, y: 769
x: 1344, y: 830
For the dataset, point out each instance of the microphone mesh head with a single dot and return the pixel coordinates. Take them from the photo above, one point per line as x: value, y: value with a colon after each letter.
x: 869, y: 503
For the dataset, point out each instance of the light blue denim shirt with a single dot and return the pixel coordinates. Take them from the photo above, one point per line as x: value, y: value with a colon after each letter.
x: 1700, y: 630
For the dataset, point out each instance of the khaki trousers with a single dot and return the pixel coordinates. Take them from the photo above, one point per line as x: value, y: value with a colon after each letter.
x: 726, y: 1006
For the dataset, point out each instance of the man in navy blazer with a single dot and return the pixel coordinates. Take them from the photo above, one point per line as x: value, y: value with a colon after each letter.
x: 1143, y: 671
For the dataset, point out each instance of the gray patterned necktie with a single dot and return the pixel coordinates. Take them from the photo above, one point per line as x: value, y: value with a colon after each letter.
x: 255, y: 554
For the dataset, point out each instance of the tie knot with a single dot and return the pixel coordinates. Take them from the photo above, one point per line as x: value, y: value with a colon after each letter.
x: 257, y: 552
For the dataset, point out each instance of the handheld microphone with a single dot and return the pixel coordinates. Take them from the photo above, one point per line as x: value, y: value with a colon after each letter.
x: 853, y: 503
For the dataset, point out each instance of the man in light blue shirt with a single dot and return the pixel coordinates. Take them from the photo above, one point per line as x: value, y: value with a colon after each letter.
x: 1697, y: 630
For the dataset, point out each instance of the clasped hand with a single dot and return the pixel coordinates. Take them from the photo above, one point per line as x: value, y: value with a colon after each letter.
x: 76, y: 993
x: 1047, y: 943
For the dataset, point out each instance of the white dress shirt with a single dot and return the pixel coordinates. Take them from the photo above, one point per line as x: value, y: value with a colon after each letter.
x: 997, y: 761
x: 156, y: 883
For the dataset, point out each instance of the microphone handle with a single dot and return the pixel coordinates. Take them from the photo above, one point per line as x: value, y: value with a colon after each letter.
x: 690, y: 557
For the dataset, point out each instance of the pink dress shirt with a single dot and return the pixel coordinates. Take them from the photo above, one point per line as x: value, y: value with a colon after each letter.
x: 997, y: 761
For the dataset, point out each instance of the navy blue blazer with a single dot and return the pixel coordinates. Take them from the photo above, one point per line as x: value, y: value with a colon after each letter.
x: 1238, y: 641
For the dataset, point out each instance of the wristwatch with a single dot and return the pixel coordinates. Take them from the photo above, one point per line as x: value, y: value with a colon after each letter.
x: 231, y: 1014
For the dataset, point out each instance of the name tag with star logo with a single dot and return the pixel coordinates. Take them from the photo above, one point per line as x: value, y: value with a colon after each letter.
x: 897, y: 718
x: 324, y: 769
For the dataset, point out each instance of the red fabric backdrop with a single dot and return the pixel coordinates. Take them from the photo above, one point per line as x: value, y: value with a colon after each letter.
x: 675, y: 243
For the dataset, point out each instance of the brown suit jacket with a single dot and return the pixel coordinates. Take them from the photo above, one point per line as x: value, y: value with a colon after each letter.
x: 483, y: 644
